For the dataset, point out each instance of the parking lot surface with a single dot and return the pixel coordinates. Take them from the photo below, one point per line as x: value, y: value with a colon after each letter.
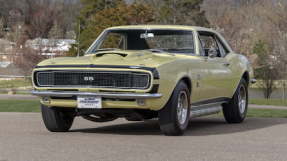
x: 23, y: 137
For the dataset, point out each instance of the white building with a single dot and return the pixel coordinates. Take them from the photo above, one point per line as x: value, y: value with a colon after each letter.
x: 50, y: 47
x: 5, y: 52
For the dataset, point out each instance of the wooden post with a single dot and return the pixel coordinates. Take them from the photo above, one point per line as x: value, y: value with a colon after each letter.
x: 284, y: 86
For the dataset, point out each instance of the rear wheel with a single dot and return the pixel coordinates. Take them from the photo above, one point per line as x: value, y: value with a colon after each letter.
x: 235, y: 111
x: 174, y: 117
x: 57, y: 119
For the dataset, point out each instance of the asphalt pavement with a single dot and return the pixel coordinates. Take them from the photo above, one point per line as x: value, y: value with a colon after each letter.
x: 23, y: 137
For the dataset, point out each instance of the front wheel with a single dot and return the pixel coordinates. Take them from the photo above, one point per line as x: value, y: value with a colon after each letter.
x: 57, y: 119
x: 174, y: 117
x: 235, y: 111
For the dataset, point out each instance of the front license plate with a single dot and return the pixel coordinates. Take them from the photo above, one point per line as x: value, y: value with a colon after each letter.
x: 89, y: 102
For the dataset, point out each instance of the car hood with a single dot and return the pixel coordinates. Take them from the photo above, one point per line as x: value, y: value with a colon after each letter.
x: 131, y: 58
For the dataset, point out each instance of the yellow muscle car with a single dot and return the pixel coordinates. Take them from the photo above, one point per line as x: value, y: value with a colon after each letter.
x: 141, y: 72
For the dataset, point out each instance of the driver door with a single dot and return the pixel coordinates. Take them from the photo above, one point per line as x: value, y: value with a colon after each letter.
x: 215, y: 84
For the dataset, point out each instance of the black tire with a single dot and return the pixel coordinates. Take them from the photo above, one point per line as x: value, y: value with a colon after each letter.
x: 57, y: 119
x: 233, y: 112
x: 169, y: 122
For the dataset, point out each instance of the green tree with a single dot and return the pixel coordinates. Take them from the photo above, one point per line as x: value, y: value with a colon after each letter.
x: 121, y: 14
x: 88, y: 9
x: 91, y: 7
x: 267, y: 70
x: 179, y: 12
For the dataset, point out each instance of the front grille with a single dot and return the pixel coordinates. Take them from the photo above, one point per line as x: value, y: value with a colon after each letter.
x: 99, y: 79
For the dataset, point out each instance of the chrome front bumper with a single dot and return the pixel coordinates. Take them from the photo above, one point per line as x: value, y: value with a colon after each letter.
x: 105, y: 95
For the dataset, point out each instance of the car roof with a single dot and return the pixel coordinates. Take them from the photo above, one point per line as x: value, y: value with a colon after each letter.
x: 178, y: 27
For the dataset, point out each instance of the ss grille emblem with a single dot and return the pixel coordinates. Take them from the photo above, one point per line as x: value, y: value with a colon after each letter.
x: 89, y: 78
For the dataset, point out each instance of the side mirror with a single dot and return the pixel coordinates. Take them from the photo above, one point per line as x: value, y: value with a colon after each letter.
x: 212, y: 52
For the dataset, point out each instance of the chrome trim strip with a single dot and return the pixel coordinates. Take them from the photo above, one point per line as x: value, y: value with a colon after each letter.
x: 205, y: 111
x: 152, y: 70
x: 91, y: 86
x: 105, y: 95
x: 211, y: 101
x: 209, y: 104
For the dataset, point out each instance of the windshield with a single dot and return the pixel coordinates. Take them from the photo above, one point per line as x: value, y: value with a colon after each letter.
x: 173, y: 41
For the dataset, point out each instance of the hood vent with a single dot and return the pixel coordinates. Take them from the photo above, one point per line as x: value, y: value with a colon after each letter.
x: 101, y: 54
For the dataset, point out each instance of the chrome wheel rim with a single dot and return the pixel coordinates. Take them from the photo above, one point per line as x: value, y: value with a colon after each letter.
x: 182, y: 107
x: 242, y: 99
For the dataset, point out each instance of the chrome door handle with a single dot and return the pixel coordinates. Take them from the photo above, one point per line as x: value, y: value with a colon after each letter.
x: 226, y: 64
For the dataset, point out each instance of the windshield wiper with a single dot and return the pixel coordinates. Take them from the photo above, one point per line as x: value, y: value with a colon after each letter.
x: 155, y: 50
x: 180, y: 49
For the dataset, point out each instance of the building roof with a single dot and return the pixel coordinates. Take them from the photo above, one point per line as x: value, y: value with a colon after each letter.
x: 6, y: 42
x: 10, y: 70
x: 4, y: 64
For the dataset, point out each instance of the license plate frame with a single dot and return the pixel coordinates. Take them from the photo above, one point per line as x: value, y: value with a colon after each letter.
x: 89, y: 102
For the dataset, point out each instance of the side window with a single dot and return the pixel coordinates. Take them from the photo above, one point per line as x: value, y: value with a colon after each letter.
x: 201, y: 51
x: 209, y: 43
x: 223, y: 50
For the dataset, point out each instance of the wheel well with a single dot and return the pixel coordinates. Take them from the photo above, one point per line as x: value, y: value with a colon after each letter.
x: 246, y: 77
x: 187, y: 81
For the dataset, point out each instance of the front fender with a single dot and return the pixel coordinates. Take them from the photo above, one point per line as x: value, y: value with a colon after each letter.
x: 170, y: 75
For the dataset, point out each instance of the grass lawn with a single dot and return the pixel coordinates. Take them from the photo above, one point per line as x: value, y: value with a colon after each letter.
x: 34, y: 106
x: 19, y: 106
x: 16, y: 92
x: 275, y: 102
x: 267, y: 113
x: 15, y: 83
